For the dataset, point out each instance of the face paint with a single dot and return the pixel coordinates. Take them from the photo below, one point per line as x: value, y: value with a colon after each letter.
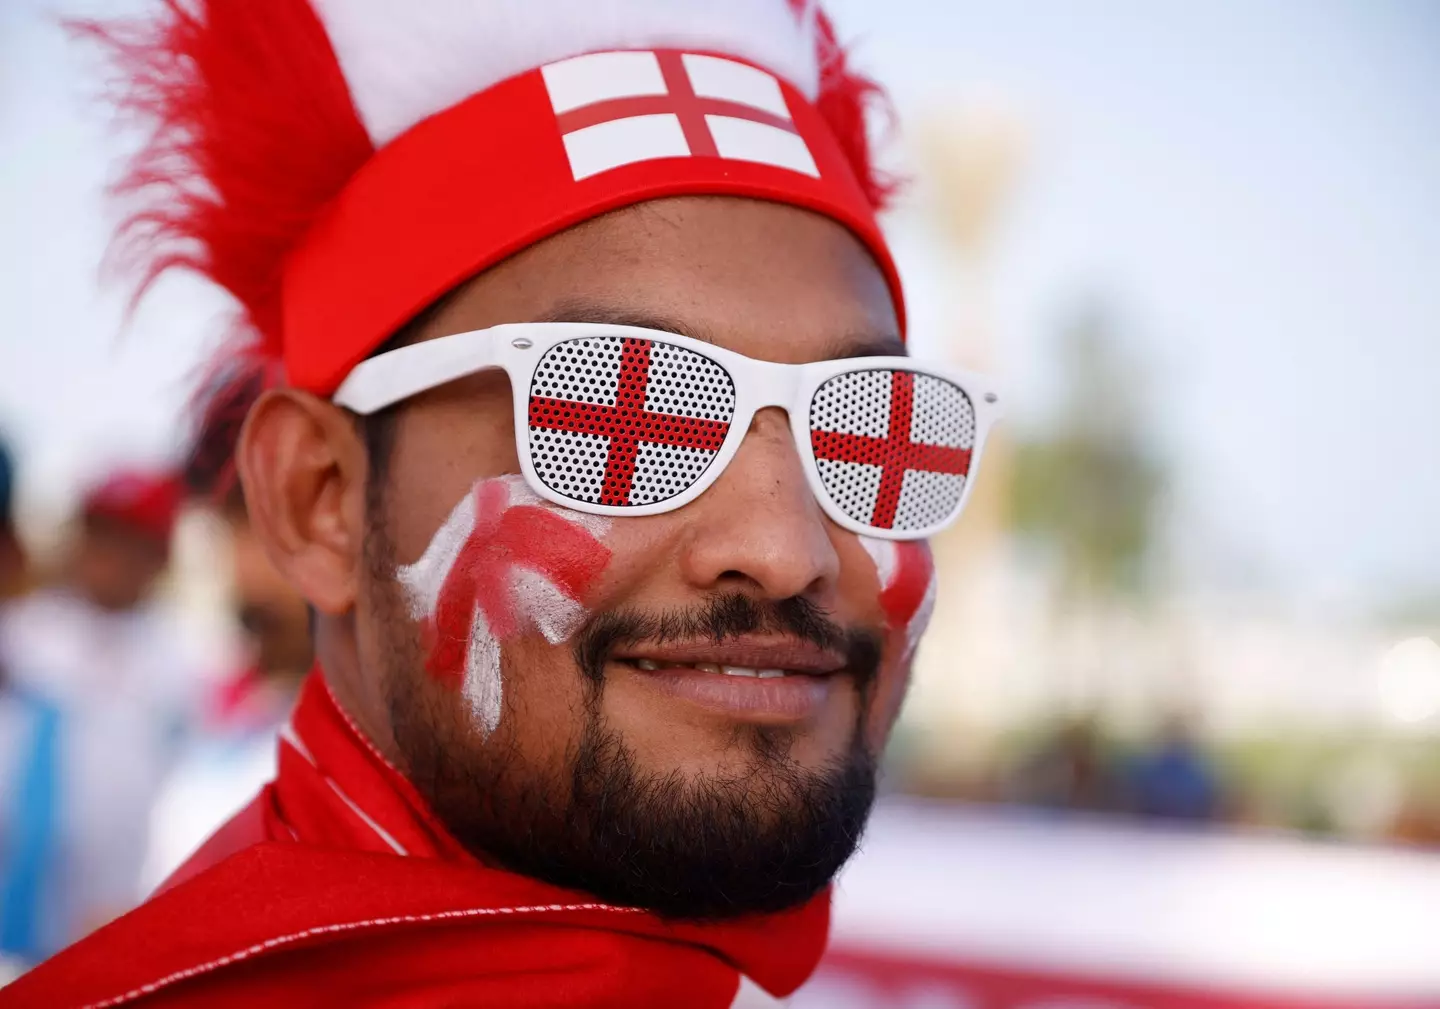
x: 504, y: 563
x: 907, y: 585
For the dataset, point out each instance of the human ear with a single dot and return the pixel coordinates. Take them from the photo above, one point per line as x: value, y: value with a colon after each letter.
x: 303, y: 466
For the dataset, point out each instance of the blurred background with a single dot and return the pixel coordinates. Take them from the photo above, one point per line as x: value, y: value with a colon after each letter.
x: 1189, y: 624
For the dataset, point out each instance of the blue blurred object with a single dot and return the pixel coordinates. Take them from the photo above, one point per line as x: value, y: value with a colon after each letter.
x: 7, y: 486
x: 29, y: 839
x: 1174, y: 781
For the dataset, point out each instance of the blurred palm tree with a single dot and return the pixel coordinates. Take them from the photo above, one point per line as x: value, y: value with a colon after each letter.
x: 1088, y: 490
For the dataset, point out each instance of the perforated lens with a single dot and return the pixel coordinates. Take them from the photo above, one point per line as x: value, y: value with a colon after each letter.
x: 621, y: 421
x: 893, y: 447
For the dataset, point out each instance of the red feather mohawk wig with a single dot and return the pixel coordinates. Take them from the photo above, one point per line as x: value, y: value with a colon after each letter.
x: 268, y: 135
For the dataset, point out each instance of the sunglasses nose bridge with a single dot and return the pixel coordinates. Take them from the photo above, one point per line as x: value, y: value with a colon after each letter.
x: 767, y: 384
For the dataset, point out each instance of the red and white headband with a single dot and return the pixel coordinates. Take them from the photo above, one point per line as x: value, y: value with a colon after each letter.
x: 534, y: 155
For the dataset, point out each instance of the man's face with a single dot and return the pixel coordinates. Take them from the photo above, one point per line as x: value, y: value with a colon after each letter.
x: 116, y: 566
x: 621, y: 758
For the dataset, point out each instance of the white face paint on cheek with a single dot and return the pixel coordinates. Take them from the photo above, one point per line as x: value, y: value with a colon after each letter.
x: 504, y: 563
x: 483, y: 686
x: 920, y: 622
x: 423, y: 579
x: 555, y: 615
x: 908, y: 586
x: 882, y: 552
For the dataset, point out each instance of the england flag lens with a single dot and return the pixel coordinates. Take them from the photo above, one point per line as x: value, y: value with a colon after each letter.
x: 893, y: 447
x: 622, y: 421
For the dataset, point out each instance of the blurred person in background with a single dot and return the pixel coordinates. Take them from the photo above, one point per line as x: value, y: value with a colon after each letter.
x: 1417, y: 821
x: 1071, y: 769
x: 554, y: 752
x: 110, y: 691
x: 26, y: 743
x: 233, y: 754
x: 1173, y: 778
x: 274, y: 621
x: 13, y: 567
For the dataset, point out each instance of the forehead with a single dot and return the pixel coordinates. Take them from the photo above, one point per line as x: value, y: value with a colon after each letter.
x: 766, y: 280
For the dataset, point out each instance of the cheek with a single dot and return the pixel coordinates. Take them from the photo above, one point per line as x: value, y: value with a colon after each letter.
x: 504, y: 564
x: 905, y: 572
x: 905, y: 577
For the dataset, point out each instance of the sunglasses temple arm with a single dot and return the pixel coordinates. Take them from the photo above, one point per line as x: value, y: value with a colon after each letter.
x: 389, y: 378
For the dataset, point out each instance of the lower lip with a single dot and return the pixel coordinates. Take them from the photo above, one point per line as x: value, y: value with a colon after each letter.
x: 774, y: 699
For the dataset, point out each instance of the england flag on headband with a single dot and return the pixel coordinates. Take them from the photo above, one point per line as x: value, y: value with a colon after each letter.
x: 619, y: 108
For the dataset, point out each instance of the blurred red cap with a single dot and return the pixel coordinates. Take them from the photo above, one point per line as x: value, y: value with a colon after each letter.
x: 147, y: 502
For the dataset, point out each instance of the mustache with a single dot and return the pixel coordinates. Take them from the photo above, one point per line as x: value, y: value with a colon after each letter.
x: 724, y: 616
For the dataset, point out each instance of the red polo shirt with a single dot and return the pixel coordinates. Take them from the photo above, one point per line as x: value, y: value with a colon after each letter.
x: 337, y: 886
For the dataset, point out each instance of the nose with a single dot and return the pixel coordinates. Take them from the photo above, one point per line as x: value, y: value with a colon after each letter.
x: 758, y: 527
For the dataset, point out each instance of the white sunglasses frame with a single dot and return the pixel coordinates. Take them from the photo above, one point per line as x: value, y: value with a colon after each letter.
x: 517, y: 349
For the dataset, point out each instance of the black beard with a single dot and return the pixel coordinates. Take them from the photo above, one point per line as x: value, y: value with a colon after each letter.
x: 765, y: 838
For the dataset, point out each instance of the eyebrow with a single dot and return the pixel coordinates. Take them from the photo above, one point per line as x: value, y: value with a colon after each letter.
x: 879, y: 344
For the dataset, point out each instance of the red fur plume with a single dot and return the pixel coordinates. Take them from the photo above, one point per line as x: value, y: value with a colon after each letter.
x: 251, y: 130
x: 844, y: 100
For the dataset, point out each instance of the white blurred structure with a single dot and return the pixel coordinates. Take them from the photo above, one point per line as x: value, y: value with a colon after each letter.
x: 1240, y: 665
x: 946, y: 908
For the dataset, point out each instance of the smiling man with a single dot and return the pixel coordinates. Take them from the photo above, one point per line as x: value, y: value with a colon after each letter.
x: 599, y: 460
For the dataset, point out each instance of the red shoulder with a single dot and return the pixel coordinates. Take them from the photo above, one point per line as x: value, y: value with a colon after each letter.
x: 253, y: 824
x: 288, y: 924
x: 256, y: 918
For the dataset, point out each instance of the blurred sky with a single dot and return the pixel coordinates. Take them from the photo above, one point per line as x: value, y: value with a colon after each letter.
x: 1252, y: 186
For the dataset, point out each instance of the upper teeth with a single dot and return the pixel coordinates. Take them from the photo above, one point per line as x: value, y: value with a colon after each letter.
x: 712, y: 667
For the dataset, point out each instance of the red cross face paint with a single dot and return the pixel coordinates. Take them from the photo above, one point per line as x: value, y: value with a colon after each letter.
x: 504, y: 563
x: 907, y: 586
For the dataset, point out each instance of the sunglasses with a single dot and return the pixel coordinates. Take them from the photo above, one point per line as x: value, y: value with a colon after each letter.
x: 620, y: 420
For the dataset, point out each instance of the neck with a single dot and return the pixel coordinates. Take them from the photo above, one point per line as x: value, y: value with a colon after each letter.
x: 360, y: 695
